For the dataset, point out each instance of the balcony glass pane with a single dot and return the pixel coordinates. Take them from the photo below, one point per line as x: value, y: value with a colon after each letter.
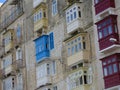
x: 115, y: 69
x: 105, y: 71
x: 110, y: 69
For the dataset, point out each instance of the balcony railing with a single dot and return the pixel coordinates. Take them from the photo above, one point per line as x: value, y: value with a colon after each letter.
x: 103, y: 5
x: 11, y: 69
x: 6, y: 71
x: 18, y: 64
x: 105, y: 42
x: 11, y: 18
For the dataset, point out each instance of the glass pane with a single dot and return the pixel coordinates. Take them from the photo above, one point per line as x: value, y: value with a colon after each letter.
x: 69, y: 52
x: 100, y: 34
x: 75, y: 15
x: 81, y: 81
x: 76, y: 48
x: 73, y: 49
x: 115, y: 69
x: 115, y: 26
x: 104, y: 63
x: 79, y: 46
x: 110, y: 69
x: 105, y: 71
x: 110, y: 29
x: 105, y: 32
x: 84, y: 45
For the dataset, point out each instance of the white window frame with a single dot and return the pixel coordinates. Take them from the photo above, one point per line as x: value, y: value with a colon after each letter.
x: 54, y: 7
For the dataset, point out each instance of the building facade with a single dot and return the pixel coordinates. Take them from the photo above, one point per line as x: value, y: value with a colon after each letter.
x: 59, y: 45
x: 106, y: 19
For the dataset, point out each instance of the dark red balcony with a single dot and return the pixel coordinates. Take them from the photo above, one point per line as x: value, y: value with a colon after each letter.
x: 111, y: 70
x: 105, y: 42
x: 103, y: 5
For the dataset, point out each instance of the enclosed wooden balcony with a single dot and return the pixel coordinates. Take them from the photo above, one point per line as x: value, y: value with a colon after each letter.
x: 74, y: 18
x: 77, y: 47
x: 78, y: 79
x: 103, y: 5
x: 8, y: 40
x: 111, y: 70
x: 9, y: 70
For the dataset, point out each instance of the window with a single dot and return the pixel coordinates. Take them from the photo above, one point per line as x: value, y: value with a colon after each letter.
x: 81, y: 80
x: 110, y: 65
x: 72, y: 14
x: 18, y: 31
x: 8, y: 38
x: 76, y: 45
x: 106, y: 27
x: 19, y: 54
x: 38, y: 15
x: 105, y: 71
x: 85, y: 79
x: 115, y: 69
x: 7, y: 61
x: 48, y: 69
x: 54, y: 67
x: 54, y: 7
x: 55, y: 88
x: 9, y: 83
x: 51, y: 37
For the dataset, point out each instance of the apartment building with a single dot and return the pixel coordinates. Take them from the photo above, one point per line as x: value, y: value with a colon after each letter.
x: 12, y: 48
x: 107, y: 20
x: 47, y: 45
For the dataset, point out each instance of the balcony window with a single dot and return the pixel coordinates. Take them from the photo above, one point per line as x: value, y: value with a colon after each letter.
x: 43, y: 45
x: 18, y: 31
x: 77, y: 79
x: 19, y: 54
x: 7, y: 61
x: 55, y: 88
x: 8, y: 83
x: 38, y: 16
x: 54, y: 67
x: 107, y: 28
x: 72, y: 14
x: 75, y: 46
x: 111, y: 70
x: 110, y: 66
x: 54, y: 7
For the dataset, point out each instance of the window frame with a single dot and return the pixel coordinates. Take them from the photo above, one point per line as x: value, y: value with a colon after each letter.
x: 108, y: 64
x: 54, y: 7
